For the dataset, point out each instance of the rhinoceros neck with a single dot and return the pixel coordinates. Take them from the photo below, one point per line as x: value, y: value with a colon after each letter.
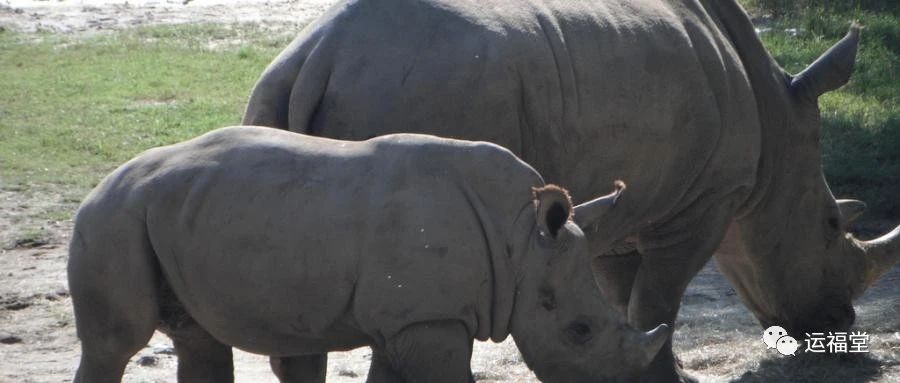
x: 500, y: 235
x: 498, y: 187
x: 767, y: 81
x: 781, y: 178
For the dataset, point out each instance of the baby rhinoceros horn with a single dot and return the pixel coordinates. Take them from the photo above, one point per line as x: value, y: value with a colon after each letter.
x: 588, y: 213
x: 647, y: 344
x: 850, y: 209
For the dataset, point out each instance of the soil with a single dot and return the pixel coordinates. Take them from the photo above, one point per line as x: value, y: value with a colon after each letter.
x: 78, y: 16
x: 716, y: 337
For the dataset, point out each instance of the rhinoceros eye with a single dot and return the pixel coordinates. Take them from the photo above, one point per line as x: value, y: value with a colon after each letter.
x: 579, y: 332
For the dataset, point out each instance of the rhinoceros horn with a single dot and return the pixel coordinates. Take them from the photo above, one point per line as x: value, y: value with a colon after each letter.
x: 851, y: 209
x: 647, y: 344
x: 881, y: 254
x: 831, y: 70
x: 589, y: 212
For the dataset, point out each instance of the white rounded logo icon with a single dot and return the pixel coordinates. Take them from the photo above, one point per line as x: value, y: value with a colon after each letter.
x: 787, y: 345
x: 771, y: 335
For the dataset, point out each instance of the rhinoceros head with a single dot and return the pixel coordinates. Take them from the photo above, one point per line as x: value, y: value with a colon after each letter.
x: 561, y: 323
x: 805, y: 269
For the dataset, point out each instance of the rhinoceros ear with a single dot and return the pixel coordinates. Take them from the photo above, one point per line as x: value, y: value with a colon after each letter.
x: 591, y: 212
x: 831, y: 70
x: 552, y: 208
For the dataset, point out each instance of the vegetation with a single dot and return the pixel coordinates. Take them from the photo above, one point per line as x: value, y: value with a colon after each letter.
x: 781, y: 8
x: 74, y: 107
x: 861, y: 121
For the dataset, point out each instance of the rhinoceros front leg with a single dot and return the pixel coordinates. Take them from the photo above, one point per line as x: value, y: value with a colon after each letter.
x: 671, y: 256
x: 380, y: 370
x: 300, y: 369
x: 437, y: 351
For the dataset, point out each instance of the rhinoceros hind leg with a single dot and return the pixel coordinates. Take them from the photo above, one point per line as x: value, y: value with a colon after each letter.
x: 300, y: 369
x: 113, y: 282
x: 436, y: 351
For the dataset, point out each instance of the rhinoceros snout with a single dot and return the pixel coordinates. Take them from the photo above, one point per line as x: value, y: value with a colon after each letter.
x: 833, y: 318
x: 840, y: 317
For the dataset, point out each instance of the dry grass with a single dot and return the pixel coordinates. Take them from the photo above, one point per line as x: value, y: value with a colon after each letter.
x: 719, y: 340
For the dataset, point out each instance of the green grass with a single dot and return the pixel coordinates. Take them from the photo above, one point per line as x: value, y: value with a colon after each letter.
x: 73, y: 108
x: 861, y: 121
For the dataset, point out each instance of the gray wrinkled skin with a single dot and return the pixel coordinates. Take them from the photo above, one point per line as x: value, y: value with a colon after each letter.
x: 679, y: 98
x: 291, y: 245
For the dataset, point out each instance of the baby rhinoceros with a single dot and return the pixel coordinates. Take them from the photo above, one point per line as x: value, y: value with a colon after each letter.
x: 293, y: 246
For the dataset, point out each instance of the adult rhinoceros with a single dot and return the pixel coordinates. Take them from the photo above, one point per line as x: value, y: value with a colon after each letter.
x: 285, y: 244
x: 678, y: 97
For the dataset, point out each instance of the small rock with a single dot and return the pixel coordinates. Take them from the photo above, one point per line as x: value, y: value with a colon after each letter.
x: 28, y: 243
x: 17, y: 305
x: 347, y: 372
x: 148, y: 361
x: 164, y: 350
x: 56, y: 295
x: 483, y: 375
x: 10, y: 339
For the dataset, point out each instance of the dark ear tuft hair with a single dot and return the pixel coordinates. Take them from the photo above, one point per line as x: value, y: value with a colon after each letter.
x: 553, y: 207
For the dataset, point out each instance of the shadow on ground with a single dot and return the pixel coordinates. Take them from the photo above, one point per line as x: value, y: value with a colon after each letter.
x: 814, y: 368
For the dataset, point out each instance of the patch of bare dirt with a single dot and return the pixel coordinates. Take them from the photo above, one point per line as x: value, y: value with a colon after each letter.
x: 72, y: 16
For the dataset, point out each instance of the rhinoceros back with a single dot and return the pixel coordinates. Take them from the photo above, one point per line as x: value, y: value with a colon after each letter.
x: 586, y: 92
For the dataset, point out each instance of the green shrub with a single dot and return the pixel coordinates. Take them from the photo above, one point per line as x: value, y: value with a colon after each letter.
x: 861, y: 121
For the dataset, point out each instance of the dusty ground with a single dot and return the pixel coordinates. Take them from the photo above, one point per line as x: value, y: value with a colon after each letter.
x: 716, y: 337
x: 74, y: 16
